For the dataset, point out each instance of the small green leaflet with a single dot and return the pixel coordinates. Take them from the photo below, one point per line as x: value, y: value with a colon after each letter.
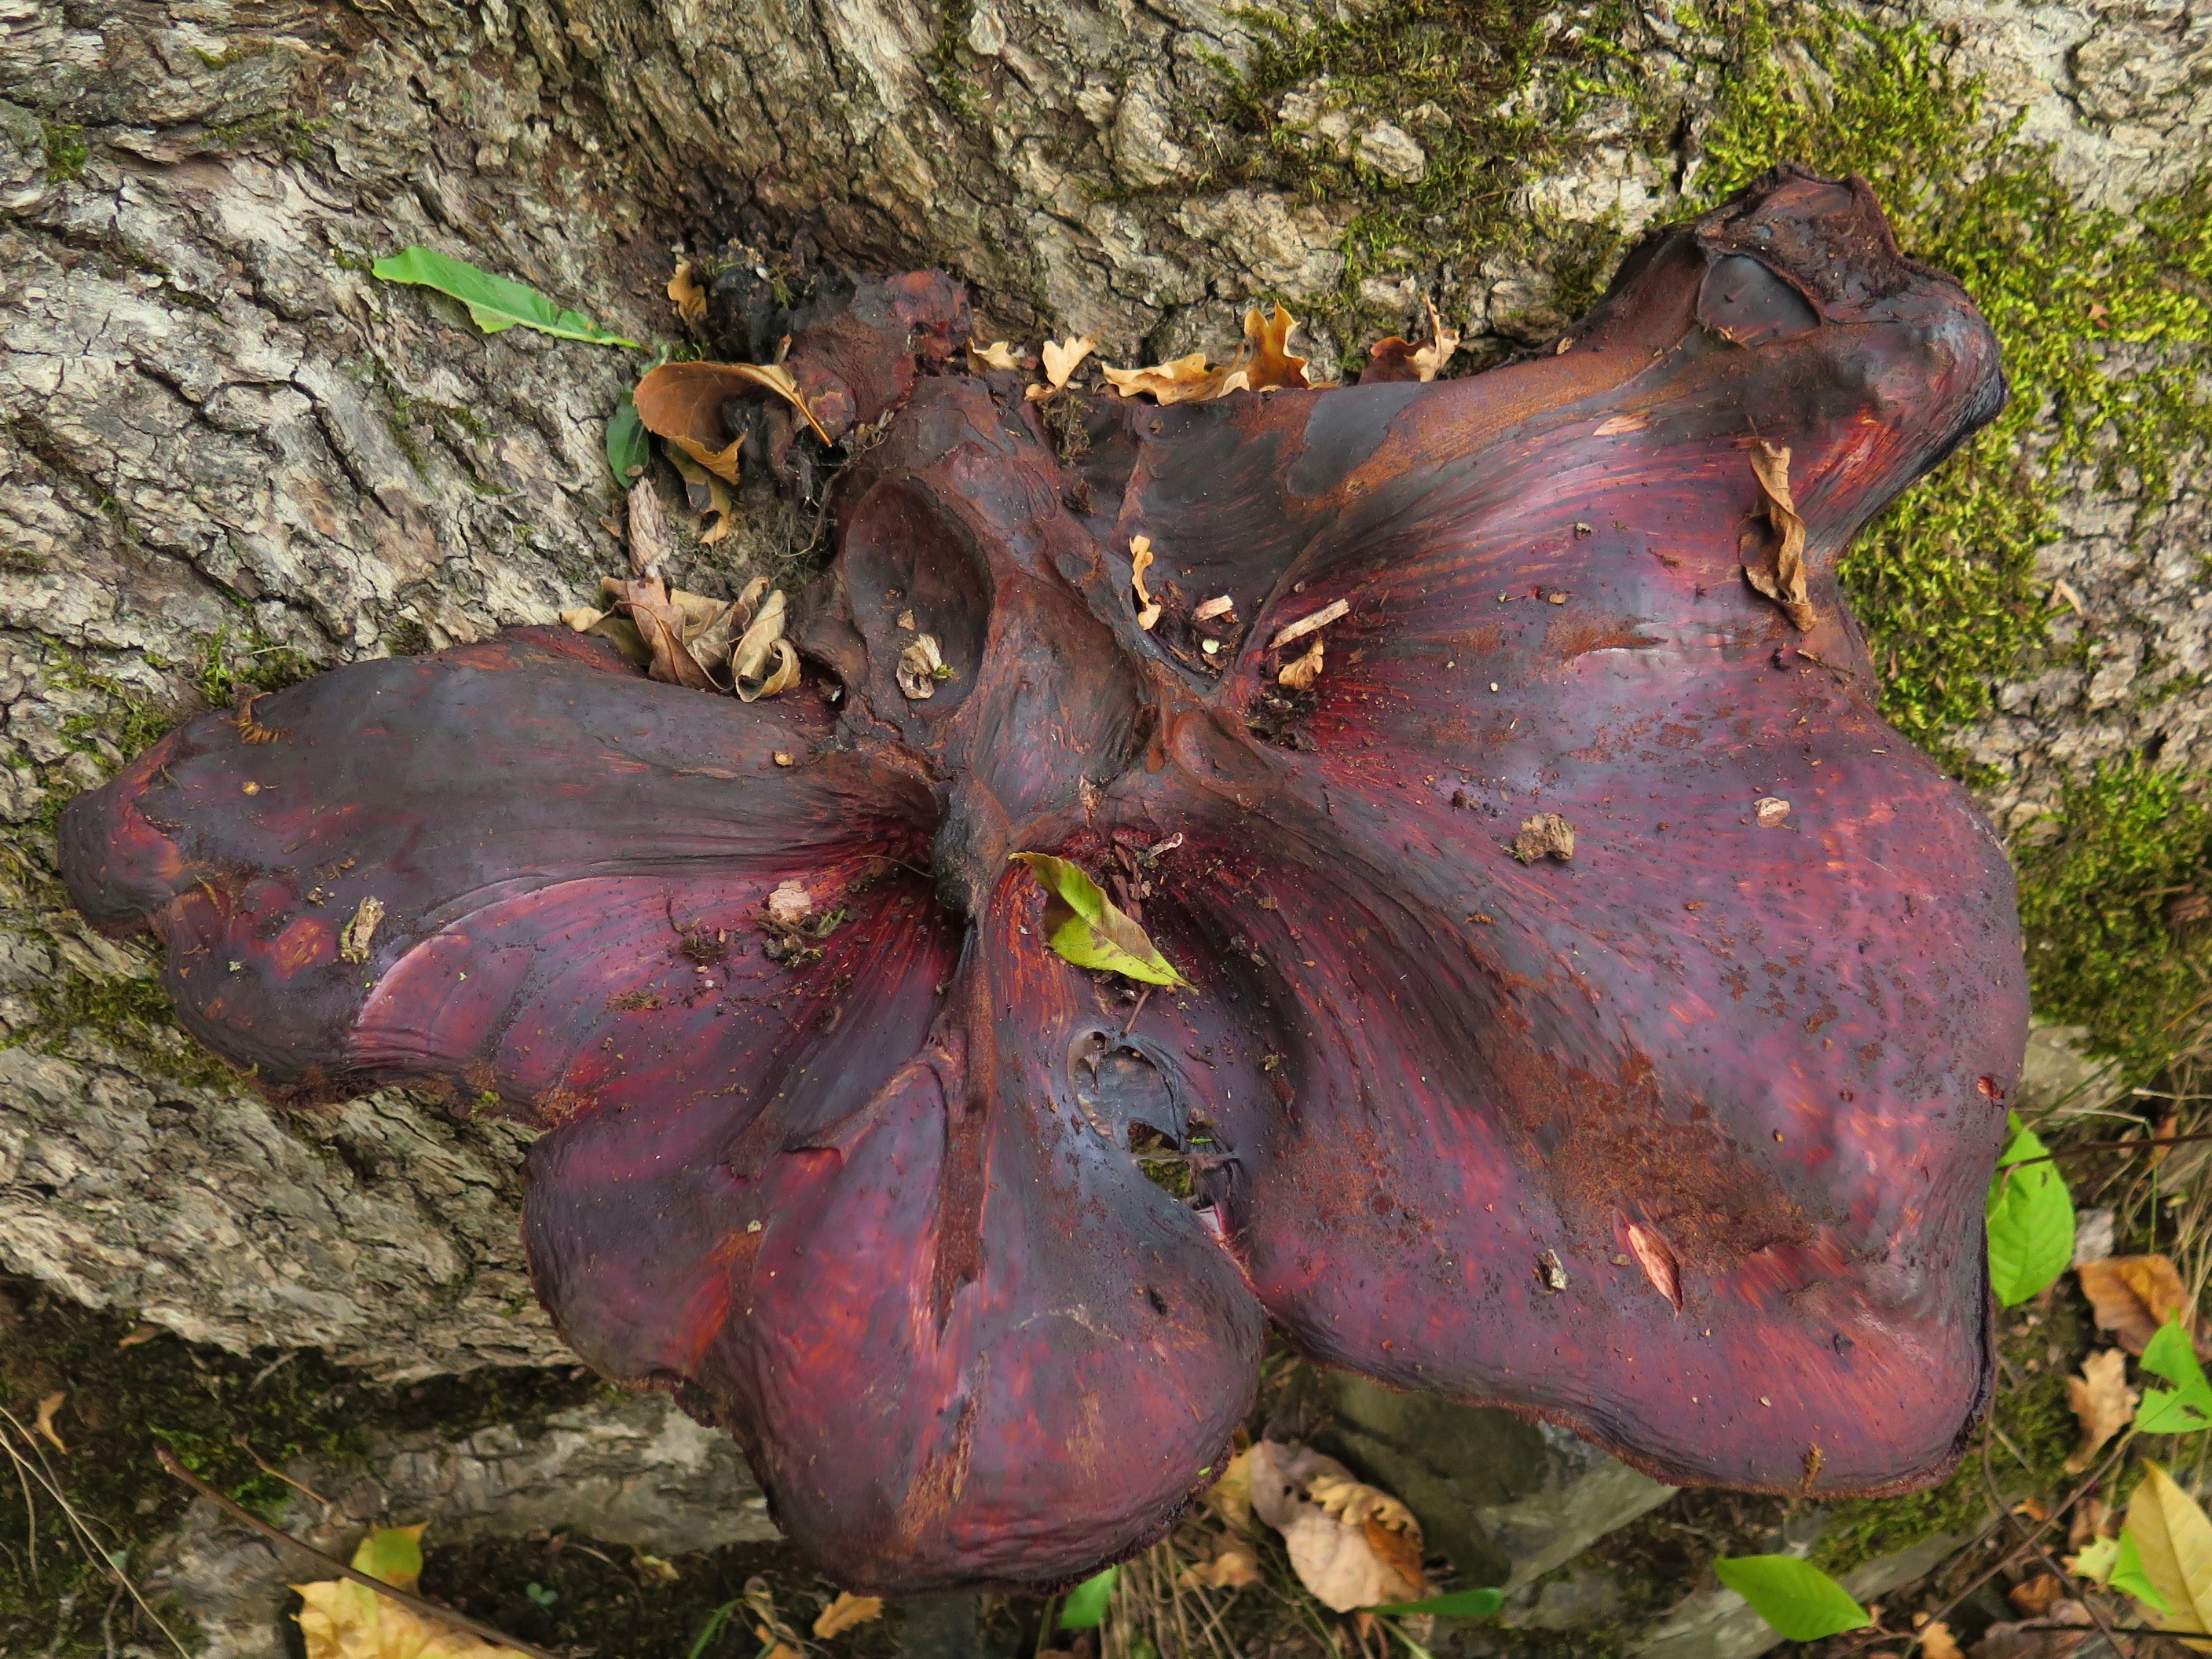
x: 1800, y: 1601
x: 1086, y: 1603
x: 1460, y: 1604
x: 2188, y: 1408
x: 392, y: 1555
x: 2031, y: 1220
x: 629, y: 451
x: 1088, y: 929
x: 494, y: 303
x: 2129, y: 1577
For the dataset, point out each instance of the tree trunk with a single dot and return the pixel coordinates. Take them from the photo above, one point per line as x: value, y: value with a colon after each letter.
x: 228, y: 453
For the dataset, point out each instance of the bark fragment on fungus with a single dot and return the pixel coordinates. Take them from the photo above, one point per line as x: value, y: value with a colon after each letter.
x: 1679, y: 1140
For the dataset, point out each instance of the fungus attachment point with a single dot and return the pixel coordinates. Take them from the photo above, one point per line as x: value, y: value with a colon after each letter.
x: 852, y: 1138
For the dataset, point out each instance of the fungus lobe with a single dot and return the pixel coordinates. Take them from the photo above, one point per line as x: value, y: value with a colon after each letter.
x: 1679, y: 1140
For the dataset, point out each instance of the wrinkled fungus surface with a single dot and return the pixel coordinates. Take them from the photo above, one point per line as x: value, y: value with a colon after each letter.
x: 1679, y: 1137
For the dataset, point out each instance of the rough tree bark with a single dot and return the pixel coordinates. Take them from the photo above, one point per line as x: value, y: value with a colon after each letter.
x: 225, y: 448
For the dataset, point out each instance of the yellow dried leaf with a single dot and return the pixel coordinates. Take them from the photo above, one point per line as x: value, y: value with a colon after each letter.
x: 1274, y: 366
x: 1231, y: 1497
x: 683, y: 403
x: 779, y: 674
x: 1300, y: 673
x: 917, y: 669
x: 2173, y: 1539
x: 1233, y: 1566
x: 344, y: 1619
x: 847, y: 1611
x: 2103, y: 1403
x: 1063, y: 357
x: 2132, y: 1296
x: 1356, y: 1502
x: 1141, y: 561
x: 1546, y: 834
x: 1776, y: 566
x: 1397, y: 358
x: 999, y: 354
x: 686, y: 295
x: 47, y: 1408
x: 1183, y: 380
x: 1936, y: 1641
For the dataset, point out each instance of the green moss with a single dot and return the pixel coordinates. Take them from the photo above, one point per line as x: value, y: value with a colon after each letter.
x: 228, y: 670
x: 2095, y: 903
x: 218, y: 1411
x: 66, y: 152
x: 2104, y: 321
x: 1461, y: 77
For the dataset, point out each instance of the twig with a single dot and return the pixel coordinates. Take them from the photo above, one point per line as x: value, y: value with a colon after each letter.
x: 429, y: 1610
x: 274, y: 1473
x: 86, y: 1539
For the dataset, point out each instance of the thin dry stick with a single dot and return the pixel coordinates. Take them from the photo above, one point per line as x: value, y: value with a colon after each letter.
x: 429, y: 1610
x: 87, y: 1539
x: 2035, y: 1542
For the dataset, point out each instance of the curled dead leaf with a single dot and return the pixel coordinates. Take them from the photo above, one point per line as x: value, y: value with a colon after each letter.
x: 1545, y: 835
x: 2131, y: 1296
x: 778, y: 674
x: 999, y: 354
x: 353, y: 938
x: 1063, y: 357
x: 1185, y: 379
x: 1774, y: 563
x: 2101, y: 1402
x: 49, y: 1408
x: 660, y: 622
x: 686, y: 295
x: 1396, y: 358
x: 1141, y: 561
x: 847, y: 1611
x: 918, y: 666
x: 1655, y: 1255
x: 683, y: 403
x: 1300, y: 673
x: 1273, y: 366
x: 709, y: 495
x: 1351, y: 1544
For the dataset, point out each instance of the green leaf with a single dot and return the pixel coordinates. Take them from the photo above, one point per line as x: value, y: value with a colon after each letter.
x: 1800, y: 1601
x: 1086, y: 1606
x: 2129, y: 1577
x: 1088, y: 929
x: 1460, y: 1604
x: 494, y: 303
x: 2186, y: 1410
x: 712, y: 1628
x: 392, y: 1555
x: 2031, y: 1220
x: 629, y: 451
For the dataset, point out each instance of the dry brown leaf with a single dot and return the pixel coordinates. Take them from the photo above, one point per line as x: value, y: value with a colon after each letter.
x: 2033, y: 1598
x: 646, y: 602
x: 847, y: 1611
x: 354, y: 939
x: 1936, y: 1641
x: 1396, y: 358
x: 686, y: 295
x: 1233, y: 1566
x: 620, y: 631
x: 47, y: 1408
x: 1180, y: 380
x: 778, y: 675
x: 1063, y: 357
x: 709, y: 495
x: 2132, y: 1296
x: 1300, y: 673
x: 1141, y: 561
x: 1655, y: 1255
x: 1346, y: 1563
x: 918, y: 666
x: 1274, y: 367
x: 1546, y: 834
x: 342, y: 1619
x: 1778, y: 570
x: 683, y: 403
x: 1231, y: 1497
x: 999, y: 354
x: 2102, y: 1401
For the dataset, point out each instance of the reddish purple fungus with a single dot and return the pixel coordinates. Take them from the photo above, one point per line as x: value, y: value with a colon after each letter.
x: 1595, y: 1007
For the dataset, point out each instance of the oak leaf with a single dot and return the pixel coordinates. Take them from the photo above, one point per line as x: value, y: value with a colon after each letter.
x: 2103, y: 1403
x: 2131, y: 1296
x: 1274, y: 367
x: 686, y: 295
x: 847, y: 1611
x: 1186, y: 379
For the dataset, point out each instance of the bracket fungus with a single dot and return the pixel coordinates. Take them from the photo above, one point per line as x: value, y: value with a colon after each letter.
x: 1516, y: 1048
